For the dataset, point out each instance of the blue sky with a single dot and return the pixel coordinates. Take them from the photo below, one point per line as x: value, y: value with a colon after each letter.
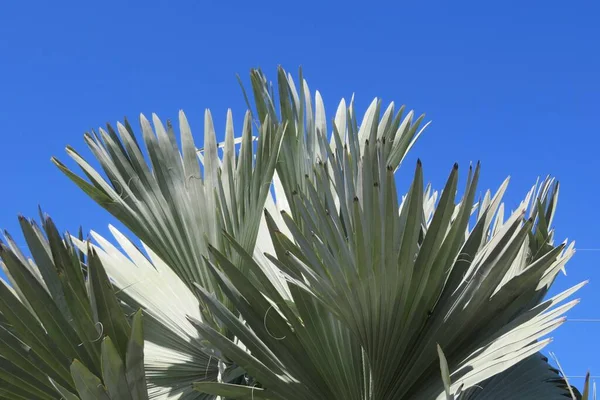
x: 515, y: 86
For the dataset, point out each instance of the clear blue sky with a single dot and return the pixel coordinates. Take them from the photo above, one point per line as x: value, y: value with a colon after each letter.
x: 513, y: 85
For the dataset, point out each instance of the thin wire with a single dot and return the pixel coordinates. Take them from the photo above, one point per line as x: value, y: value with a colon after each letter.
x: 584, y: 319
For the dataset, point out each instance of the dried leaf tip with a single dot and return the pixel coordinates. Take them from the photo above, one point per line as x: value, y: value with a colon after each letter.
x: 455, y: 166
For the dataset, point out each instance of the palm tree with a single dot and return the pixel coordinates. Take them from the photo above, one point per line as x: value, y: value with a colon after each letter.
x: 282, y: 264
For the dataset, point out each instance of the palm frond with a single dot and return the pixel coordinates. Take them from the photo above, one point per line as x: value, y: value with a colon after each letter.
x: 400, y: 284
x: 342, y: 289
x: 178, y: 204
x: 174, y: 205
x: 531, y: 378
x: 64, y: 333
x: 175, y: 354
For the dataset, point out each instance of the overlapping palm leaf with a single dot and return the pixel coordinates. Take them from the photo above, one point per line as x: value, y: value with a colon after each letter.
x: 175, y: 355
x: 175, y: 205
x: 178, y: 206
x: 399, y: 282
x: 344, y: 289
x: 63, y: 332
x: 531, y: 378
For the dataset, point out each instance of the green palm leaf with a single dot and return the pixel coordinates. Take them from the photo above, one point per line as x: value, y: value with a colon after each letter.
x: 60, y: 318
x: 178, y: 205
x: 342, y: 288
x: 398, y: 282
x: 529, y: 379
x: 175, y: 354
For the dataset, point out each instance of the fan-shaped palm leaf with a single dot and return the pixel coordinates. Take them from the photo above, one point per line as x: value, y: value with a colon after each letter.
x: 374, y: 284
x: 532, y: 378
x: 62, y: 325
x: 177, y: 208
x: 397, y: 282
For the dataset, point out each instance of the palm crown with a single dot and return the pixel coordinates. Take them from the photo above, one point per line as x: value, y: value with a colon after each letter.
x: 282, y: 264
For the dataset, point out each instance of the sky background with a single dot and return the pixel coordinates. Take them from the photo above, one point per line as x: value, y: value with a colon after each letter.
x: 515, y: 86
